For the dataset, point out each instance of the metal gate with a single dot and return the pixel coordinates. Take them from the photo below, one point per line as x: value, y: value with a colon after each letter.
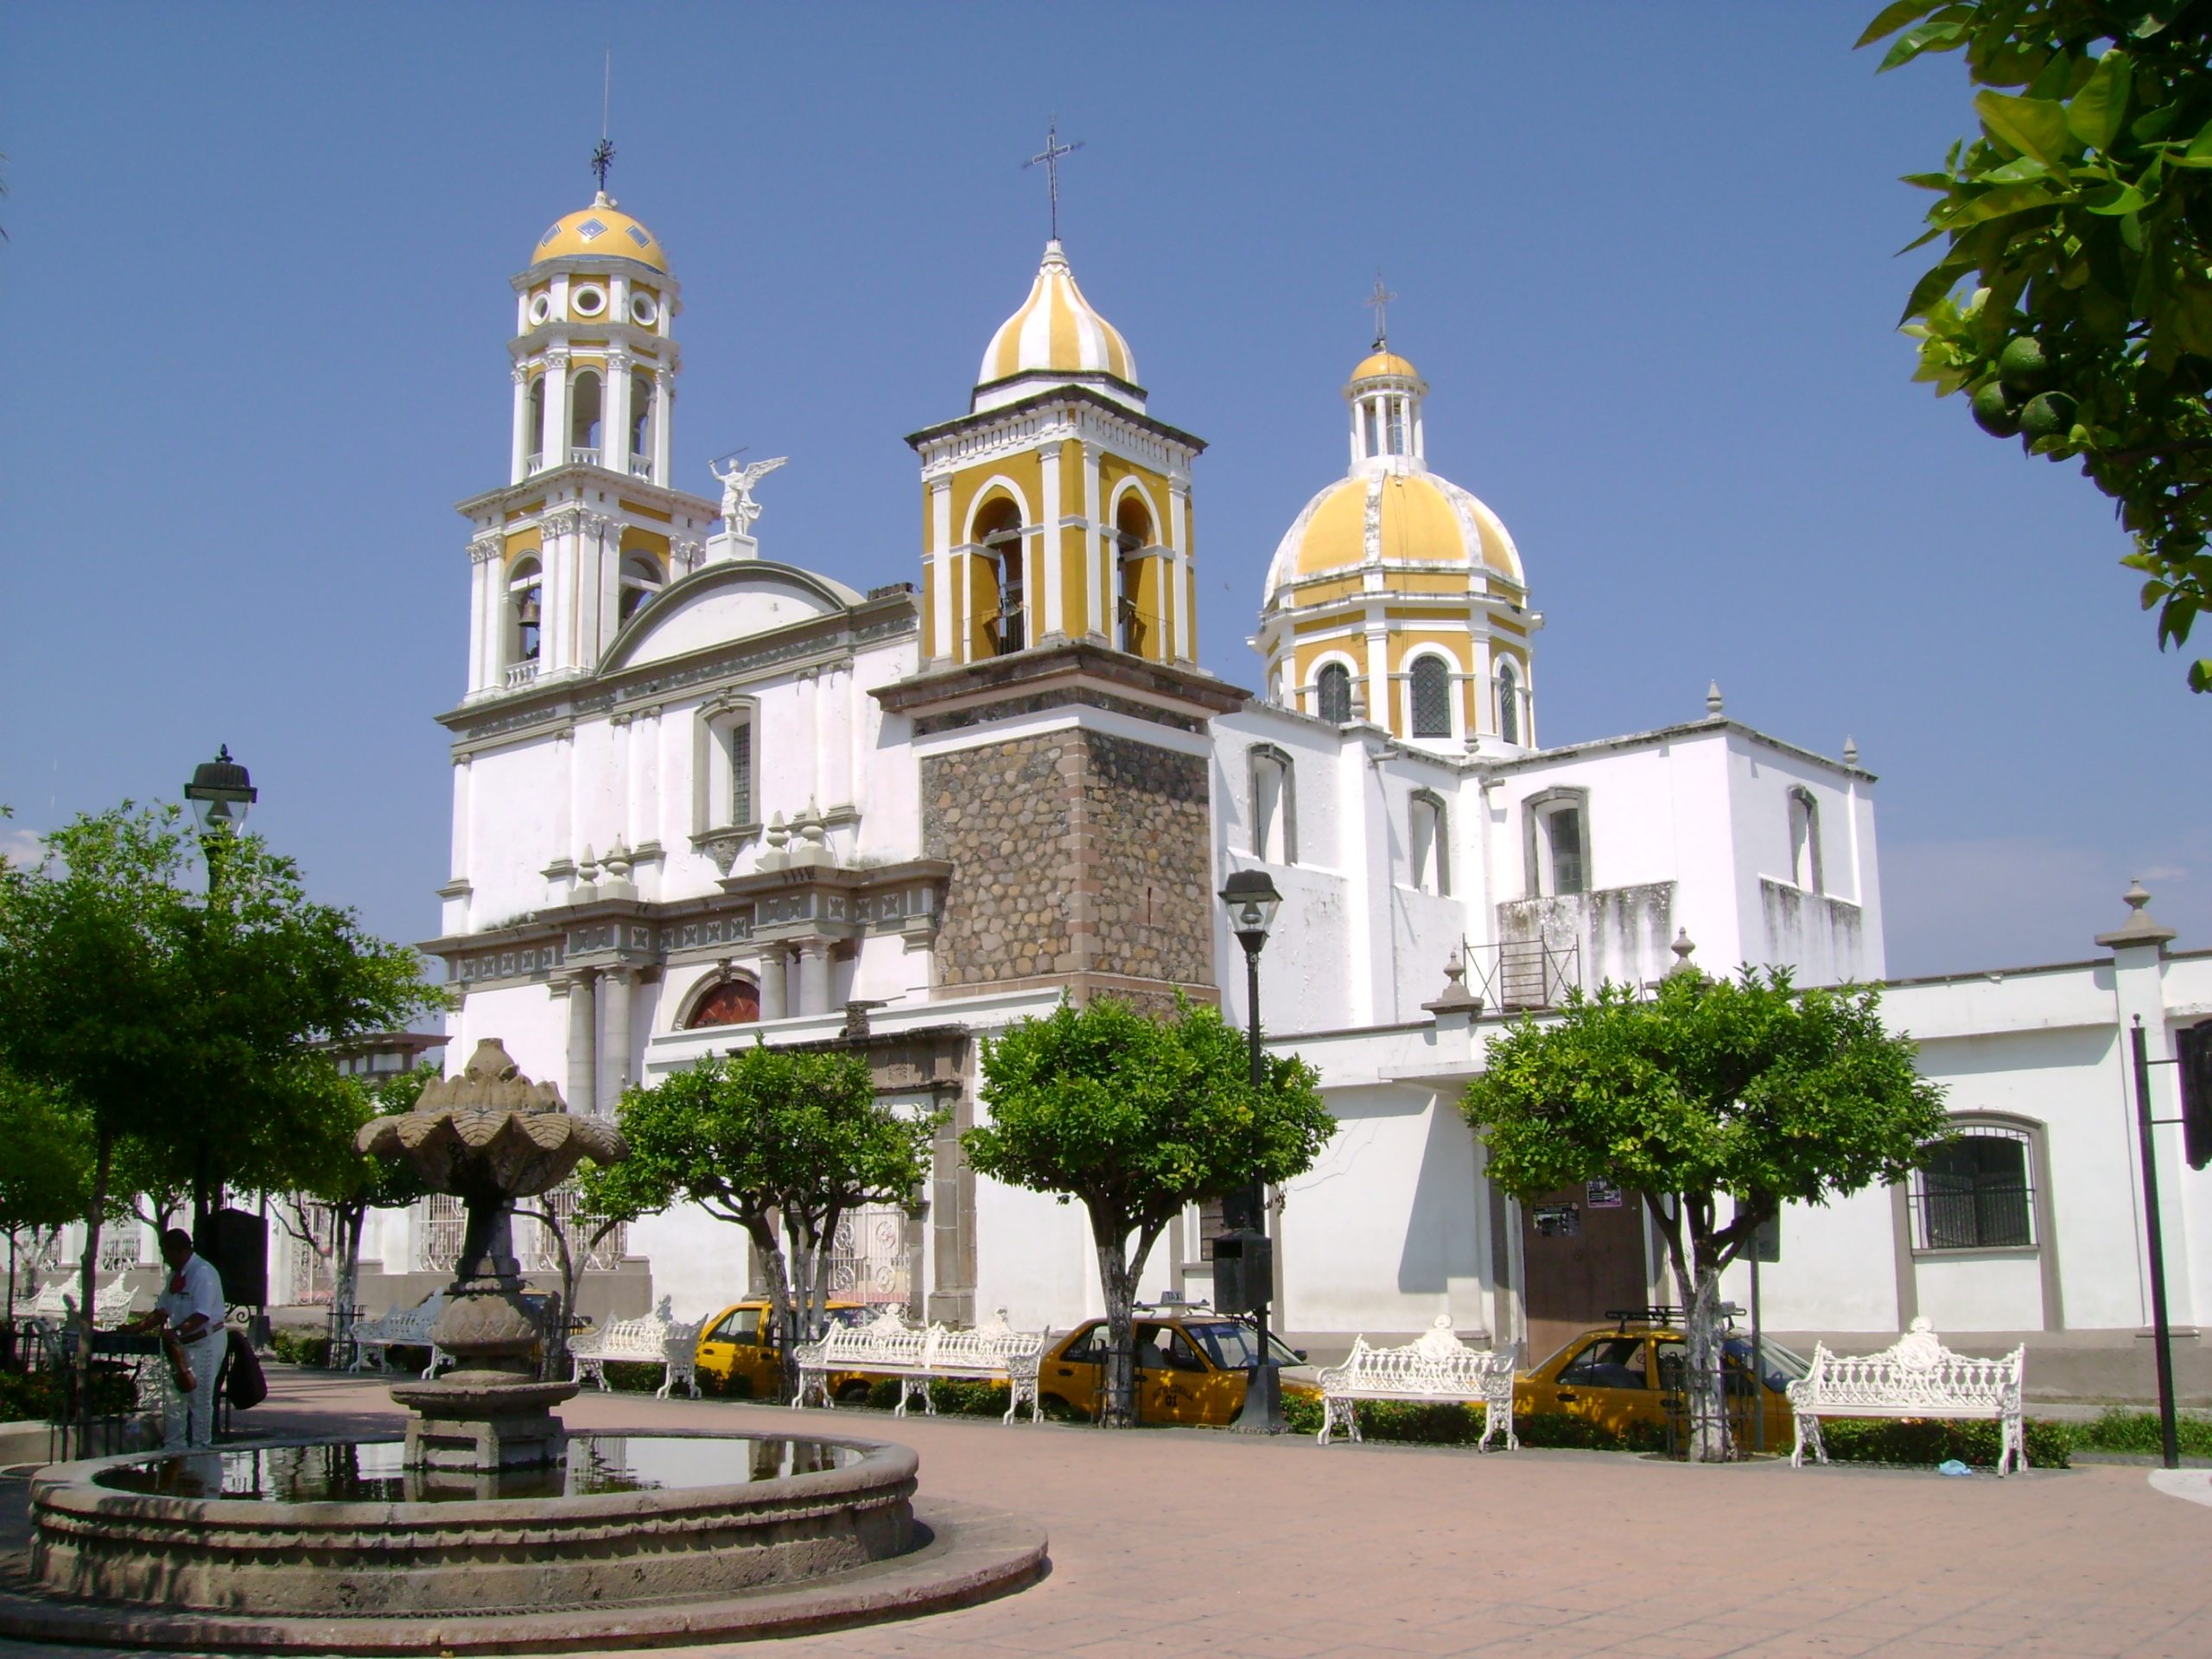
x: 870, y: 1260
x: 313, y: 1278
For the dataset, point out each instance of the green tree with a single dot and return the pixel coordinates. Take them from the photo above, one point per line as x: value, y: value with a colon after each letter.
x: 782, y: 1142
x: 185, y: 1025
x: 2073, y: 300
x: 1746, y: 1089
x: 350, y: 1183
x: 45, y: 1175
x: 1134, y: 1119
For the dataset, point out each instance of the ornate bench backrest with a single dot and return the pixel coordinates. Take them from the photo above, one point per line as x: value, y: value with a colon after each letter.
x: 1916, y: 1370
x: 1438, y: 1363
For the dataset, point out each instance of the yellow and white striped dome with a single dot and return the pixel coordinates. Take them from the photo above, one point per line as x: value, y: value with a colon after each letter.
x: 1391, y: 517
x: 601, y: 231
x: 1057, y: 332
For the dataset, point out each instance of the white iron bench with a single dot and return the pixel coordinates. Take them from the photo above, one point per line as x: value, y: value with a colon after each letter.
x: 1917, y: 1377
x: 918, y: 1355
x: 1436, y: 1368
x: 656, y: 1339
x: 110, y: 1302
x: 400, y: 1327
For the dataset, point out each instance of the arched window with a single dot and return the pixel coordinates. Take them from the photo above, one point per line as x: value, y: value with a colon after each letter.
x: 1558, y: 849
x: 1427, y: 846
x: 729, y: 1002
x: 641, y: 580
x: 1509, y: 703
x: 1132, y: 533
x: 1431, y: 688
x: 1976, y: 1192
x: 999, y: 599
x: 538, y: 422
x: 583, y: 418
x: 1274, y: 817
x: 1335, y: 694
x: 525, y: 610
x: 641, y: 416
x: 1397, y: 408
x: 1367, y: 425
x: 1805, y: 840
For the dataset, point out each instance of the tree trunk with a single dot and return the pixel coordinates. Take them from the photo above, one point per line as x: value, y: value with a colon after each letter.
x: 346, y: 1222
x: 762, y: 1231
x: 1697, y: 1283
x: 1118, y: 1407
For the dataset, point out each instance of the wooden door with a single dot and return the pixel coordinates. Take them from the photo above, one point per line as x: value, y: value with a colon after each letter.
x: 1582, y: 1251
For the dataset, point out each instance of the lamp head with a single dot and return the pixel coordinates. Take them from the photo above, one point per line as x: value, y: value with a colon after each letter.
x: 220, y: 791
x: 1252, y: 901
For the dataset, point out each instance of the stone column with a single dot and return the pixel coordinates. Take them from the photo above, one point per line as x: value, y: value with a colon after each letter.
x: 2139, y: 961
x: 771, y: 972
x: 814, y: 976
x: 943, y: 601
x: 583, y: 1033
x: 664, y: 406
x: 615, y: 404
x: 614, y: 1048
x: 522, y: 426
x: 553, y: 440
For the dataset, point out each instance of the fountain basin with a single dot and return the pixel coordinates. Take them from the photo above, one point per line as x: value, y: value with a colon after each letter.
x: 796, y: 1509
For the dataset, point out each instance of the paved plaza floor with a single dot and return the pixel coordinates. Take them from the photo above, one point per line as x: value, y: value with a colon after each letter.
x: 1169, y: 1542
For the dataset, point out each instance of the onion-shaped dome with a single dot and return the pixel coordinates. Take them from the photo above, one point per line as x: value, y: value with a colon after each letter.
x: 601, y: 231
x: 1056, y: 331
x: 491, y: 1133
x: 1392, y: 518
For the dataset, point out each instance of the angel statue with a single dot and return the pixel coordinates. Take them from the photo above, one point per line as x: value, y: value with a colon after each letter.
x: 738, y: 508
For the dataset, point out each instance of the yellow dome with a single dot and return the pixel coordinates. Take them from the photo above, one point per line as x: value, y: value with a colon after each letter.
x: 601, y: 231
x: 1385, y: 363
x: 1057, y: 332
x: 1394, y: 517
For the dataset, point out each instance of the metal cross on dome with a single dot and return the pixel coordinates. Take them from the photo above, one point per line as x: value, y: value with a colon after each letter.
x: 1050, y: 155
x: 1380, y: 299
x: 602, y: 157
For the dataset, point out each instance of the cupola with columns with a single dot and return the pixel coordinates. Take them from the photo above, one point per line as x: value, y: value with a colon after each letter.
x: 587, y: 528
x: 1397, y: 598
x: 1057, y: 508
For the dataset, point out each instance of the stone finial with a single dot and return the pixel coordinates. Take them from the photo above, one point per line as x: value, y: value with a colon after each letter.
x: 1455, y: 998
x: 1850, y: 751
x: 2140, y: 928
x: 1683, y: 946
x: 588, y: 867
x: 1712, y: 697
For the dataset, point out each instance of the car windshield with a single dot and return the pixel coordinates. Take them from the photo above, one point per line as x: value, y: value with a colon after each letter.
x: 1783, y: 1366
x: 1232, y: 1344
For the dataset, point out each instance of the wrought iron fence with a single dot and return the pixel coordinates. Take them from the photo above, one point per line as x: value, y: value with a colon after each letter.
x: 1516, y: 974
x: 314, y: 1278
x: 439, y: 1233
x: 540, y: 1251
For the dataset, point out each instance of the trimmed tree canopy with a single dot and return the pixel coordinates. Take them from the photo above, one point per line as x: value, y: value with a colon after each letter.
x: 1747, y: 1089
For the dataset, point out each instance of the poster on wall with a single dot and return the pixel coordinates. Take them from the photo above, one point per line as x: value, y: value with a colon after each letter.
x: 1603, y: 1195
x: 1557, y: 1220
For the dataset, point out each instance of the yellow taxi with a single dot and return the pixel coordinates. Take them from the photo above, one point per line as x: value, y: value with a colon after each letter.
x: 1192, y: 1366
x: 1634, y: 1374
x: 739, y: 1341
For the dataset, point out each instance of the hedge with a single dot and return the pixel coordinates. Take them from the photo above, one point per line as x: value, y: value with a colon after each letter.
x: 36, y: 1396
x: 2119, y: 1429
x: 300, y: 1348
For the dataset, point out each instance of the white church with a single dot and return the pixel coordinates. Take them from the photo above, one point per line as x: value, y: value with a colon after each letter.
x: 700, y: 791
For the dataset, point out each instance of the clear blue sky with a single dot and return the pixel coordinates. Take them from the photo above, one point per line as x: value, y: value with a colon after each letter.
x: 256, y: 299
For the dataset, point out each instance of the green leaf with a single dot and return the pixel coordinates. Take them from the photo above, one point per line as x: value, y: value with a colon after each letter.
x: 1936, y: 37
x: 1998, y: 203
x: 2032, y: 126
x: 1893, y: 17
x: 2095, y: 113
x: 2115, y: 200
x: 1934, y: 284
x: 2199, y: 147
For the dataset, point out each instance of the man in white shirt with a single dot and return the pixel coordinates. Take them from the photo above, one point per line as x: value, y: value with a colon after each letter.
x: 190, y: 1308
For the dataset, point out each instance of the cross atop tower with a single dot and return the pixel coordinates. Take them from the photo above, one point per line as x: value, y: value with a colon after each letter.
x: 602, y: 157
x: 1050, y: 155
x: 1380, y: 299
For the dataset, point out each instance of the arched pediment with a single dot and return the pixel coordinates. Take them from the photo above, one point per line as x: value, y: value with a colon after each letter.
x: 721, y: 602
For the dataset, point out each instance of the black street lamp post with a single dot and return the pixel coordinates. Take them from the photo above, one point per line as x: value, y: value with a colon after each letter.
x: 1243, y: 1254
x: 220, y: 791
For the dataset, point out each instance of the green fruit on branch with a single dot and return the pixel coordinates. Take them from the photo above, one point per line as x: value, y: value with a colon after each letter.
x: 2047, y: 414
x: 2023, y: 367
x: 1994, y: 411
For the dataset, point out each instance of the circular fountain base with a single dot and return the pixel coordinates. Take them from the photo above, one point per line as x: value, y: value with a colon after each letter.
x: 657, y: 1539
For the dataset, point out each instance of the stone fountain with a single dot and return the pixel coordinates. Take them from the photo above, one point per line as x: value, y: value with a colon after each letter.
x: 489, y: 1529
x: 489, y: 1137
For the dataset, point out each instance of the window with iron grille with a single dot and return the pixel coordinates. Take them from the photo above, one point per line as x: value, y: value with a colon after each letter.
x: 1509, y: 704
x: 740, y: 773
x: 1431, y: 698
x: 1976, y: 1192
x: 1335, y: 689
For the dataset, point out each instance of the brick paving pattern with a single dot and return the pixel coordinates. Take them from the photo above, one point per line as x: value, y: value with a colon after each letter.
x: 1189, y: 1542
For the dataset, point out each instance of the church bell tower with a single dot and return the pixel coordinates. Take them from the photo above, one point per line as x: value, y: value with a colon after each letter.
x: 588, y: 527
x: 1060, y: 714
